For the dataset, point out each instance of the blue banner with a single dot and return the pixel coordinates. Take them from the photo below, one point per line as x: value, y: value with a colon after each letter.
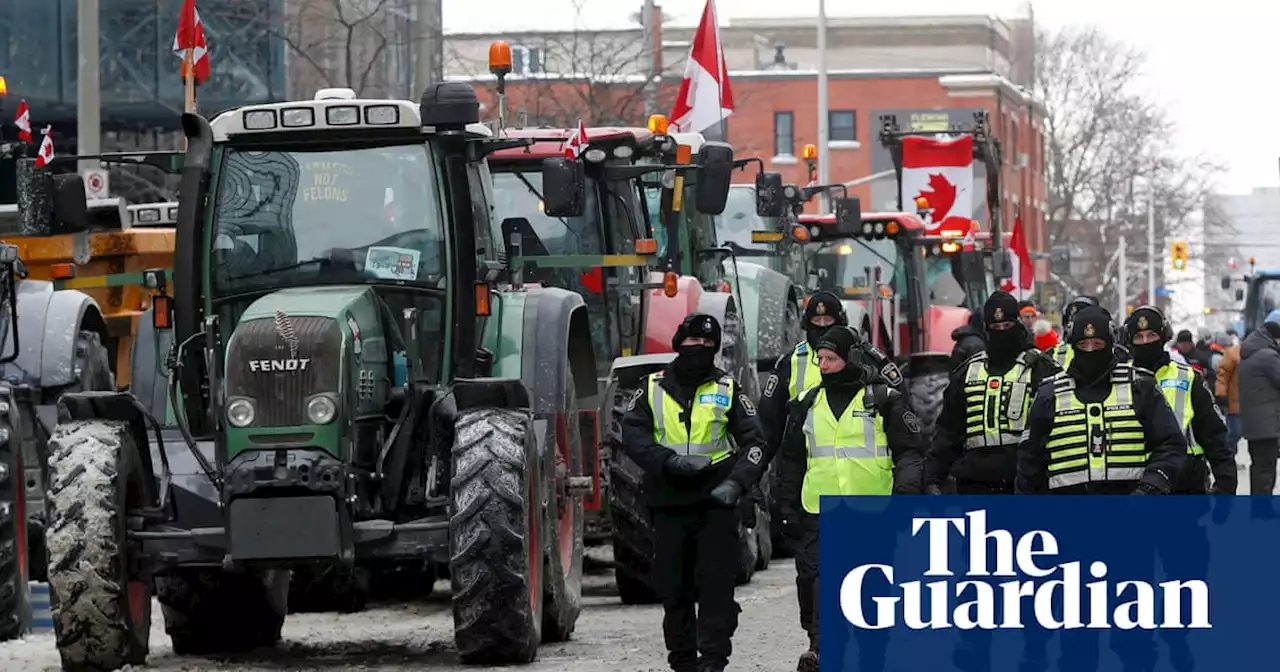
x: 1068, y: 583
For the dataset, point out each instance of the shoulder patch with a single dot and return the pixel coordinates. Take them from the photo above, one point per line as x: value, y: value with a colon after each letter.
x: 755, y: 455
x: 802, y: 348
x: 771, y: 385
x: 911, y: 421
x: 631, y: 405
x: 892, y: 374
x: 747, y: 406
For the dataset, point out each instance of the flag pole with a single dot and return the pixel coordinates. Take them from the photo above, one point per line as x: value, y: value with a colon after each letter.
x: 188, y: 71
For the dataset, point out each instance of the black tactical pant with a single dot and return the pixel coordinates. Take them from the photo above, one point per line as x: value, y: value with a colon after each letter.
x: 695, y: 567
x: 872, y: 644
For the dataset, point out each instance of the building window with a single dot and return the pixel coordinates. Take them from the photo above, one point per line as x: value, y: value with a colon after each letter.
x: 842, y: 126
x: 784, y: 134
x: 527, y: 60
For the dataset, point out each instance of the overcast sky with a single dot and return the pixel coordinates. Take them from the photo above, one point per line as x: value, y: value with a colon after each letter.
x: 1213, y: 64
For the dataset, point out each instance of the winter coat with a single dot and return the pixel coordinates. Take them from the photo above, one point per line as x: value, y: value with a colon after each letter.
x: 1259, y: 381
x: 1228, y: 384
x: 969, y: 341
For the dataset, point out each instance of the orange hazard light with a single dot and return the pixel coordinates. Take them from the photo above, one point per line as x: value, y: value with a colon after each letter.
x: 684, y: 155
x: 809, y: 153
x: 800, y: 233
x: 646, y: 246
x: 670, y: 284
x: 483, y: 308
x: 62, y: 271
x: 499, y: 57
x: 658, y: 124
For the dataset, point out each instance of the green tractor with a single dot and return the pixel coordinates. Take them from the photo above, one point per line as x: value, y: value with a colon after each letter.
x: 347, y: 377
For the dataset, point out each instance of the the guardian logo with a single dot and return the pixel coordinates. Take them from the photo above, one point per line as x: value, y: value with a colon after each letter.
x: 1053, y: 594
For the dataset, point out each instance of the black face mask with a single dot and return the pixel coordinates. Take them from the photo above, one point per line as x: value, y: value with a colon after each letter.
x: 693, y: 363
x: 1149, y: 355
x: 850, y: 375
x: 813, y: 333
x: 1005, y: 345
x: 1091, y: 365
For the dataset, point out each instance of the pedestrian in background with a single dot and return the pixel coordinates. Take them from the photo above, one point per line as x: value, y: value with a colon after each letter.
x: 1046, y: 337
x: 1028, y: 313
x: 1259, y: 382
x: 1227, y: 391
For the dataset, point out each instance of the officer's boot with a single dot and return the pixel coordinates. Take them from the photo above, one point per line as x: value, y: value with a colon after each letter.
x: 809, y: 659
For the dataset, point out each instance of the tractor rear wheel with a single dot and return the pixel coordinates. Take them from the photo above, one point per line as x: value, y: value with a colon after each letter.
x: 631, y: 520
x: 15, y: 597
x: 101, y: 613
x: 212, y: 611
x: 496, y: 552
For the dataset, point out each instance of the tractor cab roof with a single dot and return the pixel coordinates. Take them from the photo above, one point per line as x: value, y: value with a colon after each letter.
x: 550, y: 142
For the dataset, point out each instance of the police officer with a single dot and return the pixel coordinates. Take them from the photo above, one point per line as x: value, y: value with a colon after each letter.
x: 681, y: 428
x: 1061, y: 353
x: 975, y: 440
x: 1147, y: 332
x: 1099, y: 427
x: 850, y: 435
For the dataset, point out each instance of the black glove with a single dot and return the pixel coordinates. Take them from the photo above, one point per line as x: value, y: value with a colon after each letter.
x: 727, y: 493
x: 932, y: 489
x: 1146, y: 489
x: 686, y: 465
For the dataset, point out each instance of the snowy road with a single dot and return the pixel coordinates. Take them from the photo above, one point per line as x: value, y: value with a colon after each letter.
x: 419, y: 637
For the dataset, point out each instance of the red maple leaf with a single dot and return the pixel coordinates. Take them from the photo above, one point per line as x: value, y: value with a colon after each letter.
x: 941, y: 198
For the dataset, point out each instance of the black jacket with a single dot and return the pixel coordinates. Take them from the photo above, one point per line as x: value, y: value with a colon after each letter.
x: 1209, y: 429
x: 947, y: 454
x: 1259, y: 380
x: 970, y: 340
x: 1166, y: 444
x: 901, y: 426
x: 664, y: 490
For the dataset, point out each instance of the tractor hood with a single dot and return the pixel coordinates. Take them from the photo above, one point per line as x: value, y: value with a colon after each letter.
x: 296, y: 344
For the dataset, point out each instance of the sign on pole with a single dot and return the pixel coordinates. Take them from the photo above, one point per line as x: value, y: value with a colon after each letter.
x: 95, y: 183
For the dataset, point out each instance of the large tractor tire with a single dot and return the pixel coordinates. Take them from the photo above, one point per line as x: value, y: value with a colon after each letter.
x: 101, y: 613
x: 15, y: 596
x: 320, y: 589
x: 564, y: 523
x: 209, y: 610
x: 631, y: 520
x: 496, y: 552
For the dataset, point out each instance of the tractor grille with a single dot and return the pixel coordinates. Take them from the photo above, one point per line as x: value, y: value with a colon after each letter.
x: 259, y: 350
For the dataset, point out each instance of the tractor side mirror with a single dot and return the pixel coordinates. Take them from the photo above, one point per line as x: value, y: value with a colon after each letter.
x: 1226, y: 282
x: 769, y: 198
x: 715, y: 171
x: 70, y: 207
x: 564, y: 187
x: 1239, y: 295
x: 969, y: 263
x: 848, y: 216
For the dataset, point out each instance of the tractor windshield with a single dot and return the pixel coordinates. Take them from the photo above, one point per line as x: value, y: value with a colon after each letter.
x: 519, y: 194
x: 842, y: 264
x: 740, y: 219
x: 288, y: 218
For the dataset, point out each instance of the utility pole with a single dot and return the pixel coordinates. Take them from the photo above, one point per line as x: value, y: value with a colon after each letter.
x: 652, y: 55
x: 1123, y: 302
x: 824, y: 133
x: 428, y: 61
x: 88, y: 93
x: 1151, y: 237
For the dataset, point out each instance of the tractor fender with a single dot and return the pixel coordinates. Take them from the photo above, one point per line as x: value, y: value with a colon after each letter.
x: 939, y: 322
x: 557, y: 345
x: 663, y: 314
x: 858, y: 316
x: 765, y: 295
x: 732, y: 359
x: 49, y: 321
x: 148, y: 377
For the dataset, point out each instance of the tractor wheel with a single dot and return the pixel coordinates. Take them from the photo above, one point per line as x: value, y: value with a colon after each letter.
x: 631, y: 521
x: 15, y: 595
x: 764, y: 525
x: 101, y: 613
x: 320, y: 589
x: 209, y: 610
x: 496, y: 552
x: 564, y: 525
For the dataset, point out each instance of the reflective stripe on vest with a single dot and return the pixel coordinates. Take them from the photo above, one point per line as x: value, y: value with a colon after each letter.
x: 996, y: 406
x: 1175, y: 381
x: 805, y: 374
x: 847, y: 456
x: 1097, y: 442
x: 1061, y: 354
x: 708, y: 429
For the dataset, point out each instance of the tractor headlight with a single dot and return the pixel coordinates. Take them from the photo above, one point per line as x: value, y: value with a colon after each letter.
x: 321, y: 409
x: 240, y: 412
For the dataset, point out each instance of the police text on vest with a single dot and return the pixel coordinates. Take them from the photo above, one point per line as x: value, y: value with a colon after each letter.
x: 1011, y: 583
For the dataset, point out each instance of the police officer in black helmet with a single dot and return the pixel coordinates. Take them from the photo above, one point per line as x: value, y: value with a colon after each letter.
x: 697, y: 437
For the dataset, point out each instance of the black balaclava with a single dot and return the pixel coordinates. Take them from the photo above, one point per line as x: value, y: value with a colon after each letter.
x: 822, y: 303
x: 1151, y: 356
x: 1003, y: 346
x: 693, y: 363
x: 843, y: 342
x: 1091, y: 322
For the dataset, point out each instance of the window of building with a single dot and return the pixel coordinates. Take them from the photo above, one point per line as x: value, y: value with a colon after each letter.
x: 842, y: 126
x: 526, y: 60
x: 784, y: 134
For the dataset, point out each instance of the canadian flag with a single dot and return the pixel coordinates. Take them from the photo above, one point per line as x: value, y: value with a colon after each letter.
x: 942, y: 172
x: 23, y: 121
x: 704, y: 98
x: 190, y: 35
x: 577, y: 142
x: 45, y: 156
x: 1022, y: 277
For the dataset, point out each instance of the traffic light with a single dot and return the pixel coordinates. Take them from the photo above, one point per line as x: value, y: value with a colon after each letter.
x: 1179, y: 255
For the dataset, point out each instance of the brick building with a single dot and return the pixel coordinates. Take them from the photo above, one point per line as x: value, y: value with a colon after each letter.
x: 930, y: 72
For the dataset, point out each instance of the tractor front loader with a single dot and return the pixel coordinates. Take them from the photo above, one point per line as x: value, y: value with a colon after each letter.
x: 353, y: 382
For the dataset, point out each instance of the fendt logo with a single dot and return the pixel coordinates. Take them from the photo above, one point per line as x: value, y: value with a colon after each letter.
x: 1051, y: 592
x: 270, y: 365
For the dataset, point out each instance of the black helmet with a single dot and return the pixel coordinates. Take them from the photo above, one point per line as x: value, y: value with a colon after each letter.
x: 1069, y: 310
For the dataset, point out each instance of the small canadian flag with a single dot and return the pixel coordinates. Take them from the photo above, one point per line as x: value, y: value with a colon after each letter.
x: 45, y: 156
x: 577, y: 142
x: 23, y: 121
